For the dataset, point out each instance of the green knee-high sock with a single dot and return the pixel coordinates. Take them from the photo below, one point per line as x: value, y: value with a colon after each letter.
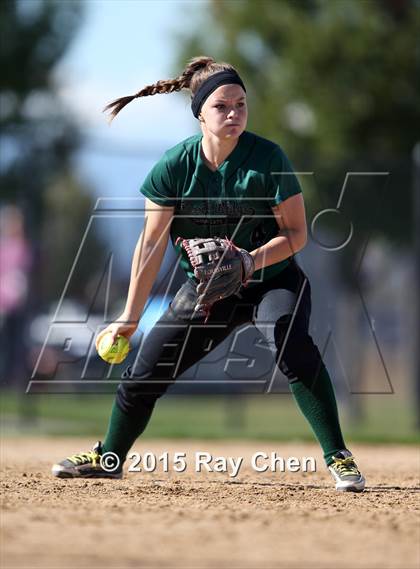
x: 318, y: 404
x: 124, y: 428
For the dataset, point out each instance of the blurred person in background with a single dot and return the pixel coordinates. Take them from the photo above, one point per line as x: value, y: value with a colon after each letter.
x: 15, y: 266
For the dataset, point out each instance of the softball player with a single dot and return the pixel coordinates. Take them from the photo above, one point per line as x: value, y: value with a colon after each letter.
x: 214, y: 185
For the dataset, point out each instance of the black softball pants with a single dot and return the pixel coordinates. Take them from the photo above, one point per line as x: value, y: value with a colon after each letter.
x: 280, y: 309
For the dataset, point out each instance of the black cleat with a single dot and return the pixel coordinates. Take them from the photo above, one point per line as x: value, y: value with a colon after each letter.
x: 89, y: 465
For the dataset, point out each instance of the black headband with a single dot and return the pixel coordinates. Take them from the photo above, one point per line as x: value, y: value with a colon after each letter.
x: 210, y: 84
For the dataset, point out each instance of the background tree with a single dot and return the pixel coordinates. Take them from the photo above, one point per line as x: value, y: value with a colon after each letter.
x: 336, y: 83
x: 38, y: 137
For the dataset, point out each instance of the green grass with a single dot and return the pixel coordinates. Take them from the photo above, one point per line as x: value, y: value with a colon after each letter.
x: 271, y: 417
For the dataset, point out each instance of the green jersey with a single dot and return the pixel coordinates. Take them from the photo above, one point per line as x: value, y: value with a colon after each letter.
x: 234, y: 201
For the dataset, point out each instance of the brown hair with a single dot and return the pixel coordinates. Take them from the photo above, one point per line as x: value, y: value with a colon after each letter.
x: 197, y: 70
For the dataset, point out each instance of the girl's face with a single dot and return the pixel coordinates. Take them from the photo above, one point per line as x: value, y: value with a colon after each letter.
x: 224, y: 114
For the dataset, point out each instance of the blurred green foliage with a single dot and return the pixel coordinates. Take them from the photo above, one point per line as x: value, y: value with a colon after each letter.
x: 38, y: 138
x: 69, y: 208
x: 270, y: 417
x: 337, y: 84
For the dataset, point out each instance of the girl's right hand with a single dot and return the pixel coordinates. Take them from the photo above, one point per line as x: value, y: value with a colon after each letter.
x: 121, y: 327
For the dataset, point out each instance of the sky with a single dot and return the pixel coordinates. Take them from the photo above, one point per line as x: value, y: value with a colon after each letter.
x: 122, y: 46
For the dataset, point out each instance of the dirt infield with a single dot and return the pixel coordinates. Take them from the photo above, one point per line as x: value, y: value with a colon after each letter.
x: 190, y: 519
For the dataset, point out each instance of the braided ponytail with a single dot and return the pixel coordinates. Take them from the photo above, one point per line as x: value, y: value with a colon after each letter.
x: 196, y: 71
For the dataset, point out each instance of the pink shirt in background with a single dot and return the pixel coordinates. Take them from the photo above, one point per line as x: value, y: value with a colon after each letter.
x: 15, y: 260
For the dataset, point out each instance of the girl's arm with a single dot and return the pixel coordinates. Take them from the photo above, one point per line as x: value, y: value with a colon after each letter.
x: 145, y: 266
x: 292, y: 236
x: 147, y: 258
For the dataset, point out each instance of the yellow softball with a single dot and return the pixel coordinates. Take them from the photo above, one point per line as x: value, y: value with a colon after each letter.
x: 113, y: 353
